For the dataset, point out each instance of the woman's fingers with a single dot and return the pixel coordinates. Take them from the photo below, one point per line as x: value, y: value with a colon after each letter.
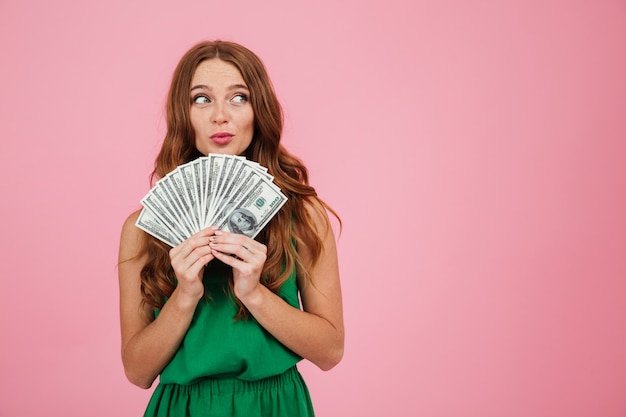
x: 245, y: 255
x: 198, y: 259
x: 199, y: 239
x: 192, y: 255
x: 236, y: 244
x: 238, y: 251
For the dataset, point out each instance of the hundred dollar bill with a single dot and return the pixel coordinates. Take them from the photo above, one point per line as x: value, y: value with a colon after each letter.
x: 250, y: 215
x: 197, y: 175
x: 230, y: 174
x: 202, y: 172
x: 175, y: 186
x: 220, y: 182
x: 158, y: 202
x: 168, y: 188
x: 151, y: 224
x: 241, y: 186
x: 214, y: 169
x: 186, y: 182
x: 189, y: 173
x: 257, y: 166
x: 236, y: 178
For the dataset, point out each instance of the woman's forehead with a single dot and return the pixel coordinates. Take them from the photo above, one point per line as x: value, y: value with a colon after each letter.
x: 215, y: 72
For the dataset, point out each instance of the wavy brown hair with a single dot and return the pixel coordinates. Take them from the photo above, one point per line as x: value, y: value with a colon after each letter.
x: 291, y: 224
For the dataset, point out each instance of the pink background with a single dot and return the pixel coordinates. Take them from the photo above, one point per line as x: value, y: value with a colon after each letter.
x: 476, y: 151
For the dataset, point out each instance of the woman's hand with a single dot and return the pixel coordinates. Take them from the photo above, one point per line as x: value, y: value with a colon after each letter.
x: 245, y: 255
x: 188, y: 261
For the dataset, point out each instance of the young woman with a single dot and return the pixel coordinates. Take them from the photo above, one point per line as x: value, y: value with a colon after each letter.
x: 223, y: 319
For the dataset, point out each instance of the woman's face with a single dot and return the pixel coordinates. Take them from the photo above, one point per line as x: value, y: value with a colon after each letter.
x: 221, y: 113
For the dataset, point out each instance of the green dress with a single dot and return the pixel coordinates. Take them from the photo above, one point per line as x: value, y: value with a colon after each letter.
x: 228, y: 367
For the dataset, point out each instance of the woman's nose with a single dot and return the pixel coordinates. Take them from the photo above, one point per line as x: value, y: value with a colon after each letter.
x: 220, y: 114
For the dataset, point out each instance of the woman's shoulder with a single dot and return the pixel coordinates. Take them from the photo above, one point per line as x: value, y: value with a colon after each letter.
x: 316, y: 209
x: 316, y: 215
x: 132, y: 237
x: 131, y: 220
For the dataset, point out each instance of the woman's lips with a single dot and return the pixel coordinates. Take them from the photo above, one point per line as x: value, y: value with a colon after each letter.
x: 221, y: 138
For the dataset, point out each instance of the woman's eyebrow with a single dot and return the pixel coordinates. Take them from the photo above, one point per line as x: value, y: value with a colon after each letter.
x: 229, y: 88
x: 238, y: 87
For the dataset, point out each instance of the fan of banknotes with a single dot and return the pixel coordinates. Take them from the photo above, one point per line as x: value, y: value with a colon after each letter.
x: 227, y: 191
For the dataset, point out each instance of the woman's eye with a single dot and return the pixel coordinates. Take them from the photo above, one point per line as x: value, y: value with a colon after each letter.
x: 201, y: 100
x: 239, y: 99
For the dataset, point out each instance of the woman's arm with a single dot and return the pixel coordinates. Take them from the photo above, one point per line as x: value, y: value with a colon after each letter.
x: 317, y: 333
x: 148, y: 344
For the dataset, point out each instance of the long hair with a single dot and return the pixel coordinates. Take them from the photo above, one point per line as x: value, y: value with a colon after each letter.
x: 292, y: 224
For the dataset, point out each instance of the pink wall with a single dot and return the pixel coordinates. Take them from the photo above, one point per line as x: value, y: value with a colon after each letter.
x: 475, y: 150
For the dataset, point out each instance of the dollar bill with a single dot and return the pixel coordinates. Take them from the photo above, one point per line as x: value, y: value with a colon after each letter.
x: 152, y: 225
x: 175, y: 198
x: 250, y: 215
x: 174, y: 187
x: 158, y: 202
x: 191, y: 189
x: 243, y: 185
x: 214, y: 170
